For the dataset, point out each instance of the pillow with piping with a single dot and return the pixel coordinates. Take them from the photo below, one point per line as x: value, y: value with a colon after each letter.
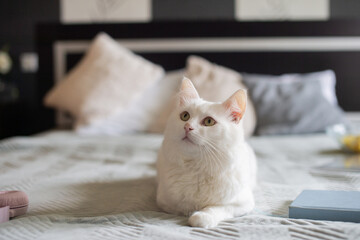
x: 103, y: 83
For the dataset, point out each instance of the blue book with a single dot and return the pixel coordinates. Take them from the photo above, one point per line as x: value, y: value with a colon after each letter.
x: 327, y: 205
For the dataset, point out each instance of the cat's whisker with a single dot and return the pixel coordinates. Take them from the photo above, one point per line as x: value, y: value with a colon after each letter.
x: 210, y: 147
x: 210, y: 143
x: 214, y: 159
x: 214, y: 155
x: 209, y: 157
x: 207, y: 140
x: 211, y: 151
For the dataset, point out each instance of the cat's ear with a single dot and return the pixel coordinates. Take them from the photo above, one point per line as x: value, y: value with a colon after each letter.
x: 187, y: 92
x: 236, y: 105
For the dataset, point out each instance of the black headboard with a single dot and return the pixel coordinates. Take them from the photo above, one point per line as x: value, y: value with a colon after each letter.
x: 256, y: 47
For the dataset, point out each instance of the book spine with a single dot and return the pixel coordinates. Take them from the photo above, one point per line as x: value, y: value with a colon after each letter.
x: 324, y: 214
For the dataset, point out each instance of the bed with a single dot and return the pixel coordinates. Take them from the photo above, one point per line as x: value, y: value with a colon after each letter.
x: 103, y: 187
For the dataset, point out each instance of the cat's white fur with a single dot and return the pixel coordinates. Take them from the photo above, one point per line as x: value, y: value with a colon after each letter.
x: 209, y: 172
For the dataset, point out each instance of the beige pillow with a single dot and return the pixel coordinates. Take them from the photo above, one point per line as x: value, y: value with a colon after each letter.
x: 216, y: 83
x: 172, y: 86
x: 106, y: 80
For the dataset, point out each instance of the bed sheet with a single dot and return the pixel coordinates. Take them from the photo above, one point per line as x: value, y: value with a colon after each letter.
x: 104, y: 188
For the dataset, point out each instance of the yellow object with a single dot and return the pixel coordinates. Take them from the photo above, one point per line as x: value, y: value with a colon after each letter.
x: 353, y: 161
x: 352, y: 142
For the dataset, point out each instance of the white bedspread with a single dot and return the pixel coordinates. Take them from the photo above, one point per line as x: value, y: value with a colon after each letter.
x: 104, y: 188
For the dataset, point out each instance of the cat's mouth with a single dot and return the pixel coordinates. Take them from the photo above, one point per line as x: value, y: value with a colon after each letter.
x: 187, y: 139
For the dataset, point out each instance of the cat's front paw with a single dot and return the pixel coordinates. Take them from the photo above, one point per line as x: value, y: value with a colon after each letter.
x: 202, y: 219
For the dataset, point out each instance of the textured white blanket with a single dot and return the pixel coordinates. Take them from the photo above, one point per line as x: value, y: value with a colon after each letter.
x: 104, y: 188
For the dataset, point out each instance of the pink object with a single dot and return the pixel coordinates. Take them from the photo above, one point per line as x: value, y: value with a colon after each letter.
x: 4, y: 214
x: 12, y: 204
x: 188, y: 127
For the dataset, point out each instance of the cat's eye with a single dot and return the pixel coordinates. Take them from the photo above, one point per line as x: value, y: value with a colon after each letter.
x: 208, y: 121
x: 185, y: 116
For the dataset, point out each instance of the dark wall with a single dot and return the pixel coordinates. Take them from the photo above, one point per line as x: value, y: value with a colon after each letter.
x: 18, y: 19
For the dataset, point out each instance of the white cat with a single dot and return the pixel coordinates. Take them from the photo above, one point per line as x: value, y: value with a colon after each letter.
x: 206, y: 170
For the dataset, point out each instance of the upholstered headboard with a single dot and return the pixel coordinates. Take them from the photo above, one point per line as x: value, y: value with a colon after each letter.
x: 255, y: 47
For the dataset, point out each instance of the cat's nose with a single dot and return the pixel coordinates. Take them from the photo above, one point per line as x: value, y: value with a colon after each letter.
x: 188, y: 127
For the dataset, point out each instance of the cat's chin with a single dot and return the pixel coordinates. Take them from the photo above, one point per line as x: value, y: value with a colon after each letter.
x: 188, y: 146
x: 188, y: 140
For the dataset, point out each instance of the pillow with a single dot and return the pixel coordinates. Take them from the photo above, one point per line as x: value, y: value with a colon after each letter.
x: 294, y: 103
x: 326, y: 78
x: 216, y: 83
x: 170, y: 87
x: 106, y: 80
x: 148, y: 113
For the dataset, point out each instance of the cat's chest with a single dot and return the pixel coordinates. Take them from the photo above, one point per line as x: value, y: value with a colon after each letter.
x: 196, y: 191
x: 204, y: 170
x: 199, y: 179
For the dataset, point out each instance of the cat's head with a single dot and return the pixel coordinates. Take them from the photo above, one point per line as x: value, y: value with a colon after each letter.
x: 196, y: 123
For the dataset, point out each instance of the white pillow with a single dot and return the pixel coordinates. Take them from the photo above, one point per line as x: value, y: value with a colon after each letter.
x: 148, y: 113
x: 106, y: 80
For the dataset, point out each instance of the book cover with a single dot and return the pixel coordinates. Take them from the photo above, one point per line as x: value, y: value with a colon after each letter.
x: 327, y: 205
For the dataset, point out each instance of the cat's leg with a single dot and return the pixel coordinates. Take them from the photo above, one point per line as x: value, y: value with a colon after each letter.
x: 246, y: 203
x: 164, y: 201
x: 212, y: 215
